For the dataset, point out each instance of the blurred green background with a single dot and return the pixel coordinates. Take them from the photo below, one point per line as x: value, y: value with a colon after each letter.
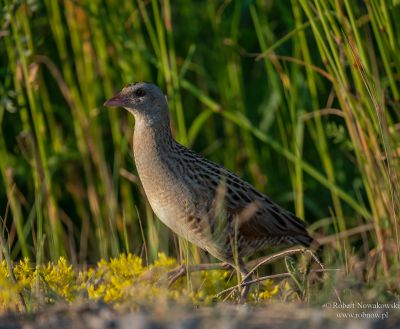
x: 300, y: 98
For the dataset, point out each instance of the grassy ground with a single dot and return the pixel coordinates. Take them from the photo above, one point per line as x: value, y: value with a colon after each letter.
x: 300, y: 98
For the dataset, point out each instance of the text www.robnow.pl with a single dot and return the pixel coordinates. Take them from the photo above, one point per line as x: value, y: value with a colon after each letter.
x: 363, y: 315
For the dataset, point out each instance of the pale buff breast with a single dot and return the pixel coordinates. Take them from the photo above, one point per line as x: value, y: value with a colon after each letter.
x: 170, y: 198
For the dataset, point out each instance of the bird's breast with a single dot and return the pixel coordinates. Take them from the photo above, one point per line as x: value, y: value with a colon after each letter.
x: 165, y: 188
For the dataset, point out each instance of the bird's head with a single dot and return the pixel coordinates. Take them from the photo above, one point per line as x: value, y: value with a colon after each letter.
x: 145, y: 100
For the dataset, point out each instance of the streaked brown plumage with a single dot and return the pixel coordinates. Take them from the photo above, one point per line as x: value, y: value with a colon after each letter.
x: 199, y: 200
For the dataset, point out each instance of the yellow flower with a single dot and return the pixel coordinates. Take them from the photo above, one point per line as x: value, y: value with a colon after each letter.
x: 9, y: 298
x: 164, y: 261
x: 269, y: 291
x: 24, y: 273
x: 59, y: 278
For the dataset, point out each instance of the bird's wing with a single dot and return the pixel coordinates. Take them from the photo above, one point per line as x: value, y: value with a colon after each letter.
x: 257, y: 215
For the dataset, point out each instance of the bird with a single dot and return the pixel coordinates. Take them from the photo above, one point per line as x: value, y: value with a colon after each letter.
x: 199, y: 200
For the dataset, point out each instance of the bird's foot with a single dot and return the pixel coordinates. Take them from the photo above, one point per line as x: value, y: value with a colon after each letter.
x: 175, y: 274
x: 183, y: 269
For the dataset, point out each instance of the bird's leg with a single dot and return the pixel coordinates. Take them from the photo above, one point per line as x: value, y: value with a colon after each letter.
x: 245, y: 283
x: 183, y: 269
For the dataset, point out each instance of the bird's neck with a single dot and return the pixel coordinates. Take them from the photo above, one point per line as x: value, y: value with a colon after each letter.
x: 152, y: 131
x: 152, y: 141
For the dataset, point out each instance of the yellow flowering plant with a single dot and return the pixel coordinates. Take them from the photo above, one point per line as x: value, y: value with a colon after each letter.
x: 122, y: 281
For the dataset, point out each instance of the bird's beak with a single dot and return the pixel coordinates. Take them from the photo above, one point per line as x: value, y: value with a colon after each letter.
x: 117, y: 100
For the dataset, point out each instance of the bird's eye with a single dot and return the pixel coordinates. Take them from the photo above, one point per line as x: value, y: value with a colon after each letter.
x: 140, y: 93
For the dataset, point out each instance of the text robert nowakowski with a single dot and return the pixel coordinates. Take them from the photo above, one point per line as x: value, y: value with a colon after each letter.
x: 375, y: 305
